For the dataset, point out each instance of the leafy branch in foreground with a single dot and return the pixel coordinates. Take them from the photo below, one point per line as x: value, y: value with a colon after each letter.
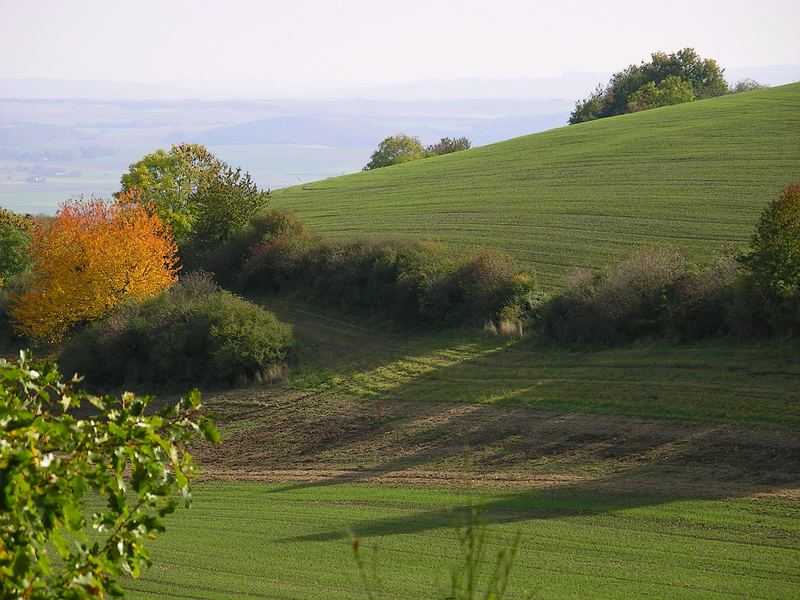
x: 52, y: 460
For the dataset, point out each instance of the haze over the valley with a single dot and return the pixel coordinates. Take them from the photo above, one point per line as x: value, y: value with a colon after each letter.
x: 82, y: 102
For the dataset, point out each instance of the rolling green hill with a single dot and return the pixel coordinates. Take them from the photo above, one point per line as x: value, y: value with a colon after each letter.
x: 694, y: 175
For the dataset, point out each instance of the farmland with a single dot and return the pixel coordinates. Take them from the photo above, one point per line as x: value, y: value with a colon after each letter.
x: 679, y: 481
x: 694, y: 175
x: 279, y: 541
x: 659, y: 459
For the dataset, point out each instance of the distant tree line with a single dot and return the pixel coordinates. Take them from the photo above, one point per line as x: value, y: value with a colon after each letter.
x: 666, y: 79
x: 401, y: 148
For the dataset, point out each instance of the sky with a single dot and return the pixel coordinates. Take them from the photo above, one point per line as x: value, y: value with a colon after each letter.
x: 376, y: 42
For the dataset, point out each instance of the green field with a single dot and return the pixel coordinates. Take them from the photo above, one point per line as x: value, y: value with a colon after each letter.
x: 727, y: 381
x: 694, y: 175
x: 611, y: 498
x: 255, y: 540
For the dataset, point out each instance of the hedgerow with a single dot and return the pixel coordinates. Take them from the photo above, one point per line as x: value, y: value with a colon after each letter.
x: 412, y: 283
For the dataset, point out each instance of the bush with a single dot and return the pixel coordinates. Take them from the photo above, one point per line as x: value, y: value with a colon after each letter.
x: 227, y: 260
x: 655, y: 293
x: 413, y: 283
x: 193, y: 334
x: 700, y: 303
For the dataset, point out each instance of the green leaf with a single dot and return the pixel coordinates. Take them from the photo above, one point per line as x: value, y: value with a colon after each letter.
x: 210, y: 433
x: 21, y: 565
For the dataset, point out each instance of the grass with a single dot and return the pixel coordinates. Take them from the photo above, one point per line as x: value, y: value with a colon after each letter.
x: 718, y: 380
x: 251, y: 540
x: 694, y: 175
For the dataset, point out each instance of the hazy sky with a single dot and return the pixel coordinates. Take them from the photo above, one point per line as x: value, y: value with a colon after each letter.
x: 376, y: 41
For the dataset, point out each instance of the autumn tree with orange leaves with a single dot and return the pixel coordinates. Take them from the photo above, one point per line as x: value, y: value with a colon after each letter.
x: 94, y: 256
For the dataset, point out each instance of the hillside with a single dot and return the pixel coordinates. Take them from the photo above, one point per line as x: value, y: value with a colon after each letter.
x: 694, y: 175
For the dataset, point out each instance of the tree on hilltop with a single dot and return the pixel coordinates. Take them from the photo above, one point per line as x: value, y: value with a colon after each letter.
x: 747, y: 85
x: 682, y: 76
x: 672, y: 90
x: 447, y: 145
x: 394, y: 150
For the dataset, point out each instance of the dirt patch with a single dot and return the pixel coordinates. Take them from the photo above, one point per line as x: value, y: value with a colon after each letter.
x: 279, y: 435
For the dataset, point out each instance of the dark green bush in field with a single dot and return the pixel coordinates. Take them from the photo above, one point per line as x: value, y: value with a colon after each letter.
x: 193, y: 334
x: 414, y: 283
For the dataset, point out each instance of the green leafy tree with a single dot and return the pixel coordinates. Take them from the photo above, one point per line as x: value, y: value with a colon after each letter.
x: 703, y: 75
x: 394, y: 150
x: 203, y: 199
x: 774, y: 256
x: 447, y: 145
x: 589, y: 108
x: 127, y: 462
x: 225, y: 205
x: 672, y: 90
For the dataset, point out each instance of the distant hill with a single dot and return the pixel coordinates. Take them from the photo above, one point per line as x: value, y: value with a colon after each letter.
x: 295, y: 130
x: 694, y: 175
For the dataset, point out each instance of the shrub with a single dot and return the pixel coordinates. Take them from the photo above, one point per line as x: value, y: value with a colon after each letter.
x: 634, y: 296
x: 193, y: 334
x: 746, y: 85
x: 700, y: 303
x: 570, y: 316
x: 227, y: 260
x: 413, y: 283
x: 447, y: 145
x: 655, y: 293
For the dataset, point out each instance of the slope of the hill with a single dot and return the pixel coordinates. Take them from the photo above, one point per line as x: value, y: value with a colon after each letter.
x: 694, y: 175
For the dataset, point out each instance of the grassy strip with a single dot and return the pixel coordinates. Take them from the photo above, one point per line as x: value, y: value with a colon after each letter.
x: 273, y: 541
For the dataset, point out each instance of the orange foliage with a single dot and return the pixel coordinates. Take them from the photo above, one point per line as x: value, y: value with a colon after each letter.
x: 91, y: 258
